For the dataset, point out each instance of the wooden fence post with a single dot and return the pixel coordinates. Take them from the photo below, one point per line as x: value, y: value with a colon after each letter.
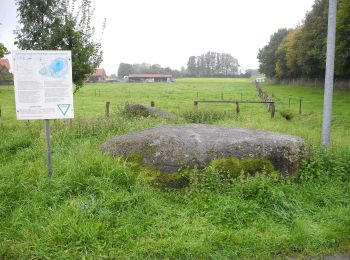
x: 288, y: 103
x: 107, y: 109
x: 237, y: 108
x: 195, y: 105
x: 273, y: 109
x: 300, y: 106
x: 152, y: 104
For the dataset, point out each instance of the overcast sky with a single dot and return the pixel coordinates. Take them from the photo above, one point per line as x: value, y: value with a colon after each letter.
x: 167, y: 32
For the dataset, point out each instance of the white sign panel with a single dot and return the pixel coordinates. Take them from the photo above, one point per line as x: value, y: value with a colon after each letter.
x: 43, y: 84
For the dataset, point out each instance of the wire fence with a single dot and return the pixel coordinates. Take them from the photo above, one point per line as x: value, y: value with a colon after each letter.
x: 311, y: 82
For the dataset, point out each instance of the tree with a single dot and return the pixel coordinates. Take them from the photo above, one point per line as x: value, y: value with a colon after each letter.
x: 267, y: 55
x: 229, y: 64
x: 212, y: 64
x: 56, y: 25
x: 293, y: 43
x: 313, y: 41
x: 302, y: 53
x: 125, y: 69
x: 192, y: 65
x: 342, y: 61
x: 4, y: 73
x: 3, y: 50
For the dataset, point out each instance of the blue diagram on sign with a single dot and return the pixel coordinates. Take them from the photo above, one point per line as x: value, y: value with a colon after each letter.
x: 57, y: 69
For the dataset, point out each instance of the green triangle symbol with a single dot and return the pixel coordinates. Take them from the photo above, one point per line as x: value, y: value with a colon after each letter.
x: 64, y: 108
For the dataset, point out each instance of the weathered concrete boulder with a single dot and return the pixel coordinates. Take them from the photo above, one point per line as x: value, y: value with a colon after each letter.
x: 170, y: 148
x: 145, y: 111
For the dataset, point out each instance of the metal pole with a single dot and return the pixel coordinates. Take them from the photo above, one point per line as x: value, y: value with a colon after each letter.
x: 48, y: 146
x: 329, y: 78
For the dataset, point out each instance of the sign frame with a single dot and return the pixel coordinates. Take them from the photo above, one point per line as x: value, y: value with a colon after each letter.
x: 43, y: 84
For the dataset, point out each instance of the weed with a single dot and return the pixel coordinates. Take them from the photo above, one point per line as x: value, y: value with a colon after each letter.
x: 287, y: 114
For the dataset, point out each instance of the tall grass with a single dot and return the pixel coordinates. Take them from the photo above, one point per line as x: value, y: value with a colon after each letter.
x: 95, y: 206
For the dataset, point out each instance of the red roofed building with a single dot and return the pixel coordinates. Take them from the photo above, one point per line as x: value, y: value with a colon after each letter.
x: 5, y: 76
x: 149, y: 78
x: 98, y: 76
x: 5, y: 64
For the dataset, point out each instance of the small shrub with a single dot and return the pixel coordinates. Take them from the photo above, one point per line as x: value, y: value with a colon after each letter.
x: 203, y: 116
x: 131, y: 111
x: 325, y: 165
x: 287, y: 114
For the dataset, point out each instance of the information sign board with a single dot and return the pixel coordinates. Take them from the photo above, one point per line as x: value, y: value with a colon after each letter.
x: 43, y: 84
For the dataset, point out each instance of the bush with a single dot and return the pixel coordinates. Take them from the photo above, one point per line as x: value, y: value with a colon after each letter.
x: 287, y: 114
x: 203, y: 116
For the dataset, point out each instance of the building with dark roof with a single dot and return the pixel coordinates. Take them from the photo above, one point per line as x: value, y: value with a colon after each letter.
x: 149, y: 78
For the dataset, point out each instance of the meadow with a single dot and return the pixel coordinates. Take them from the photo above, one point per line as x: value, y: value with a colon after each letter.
x: 95, y: 206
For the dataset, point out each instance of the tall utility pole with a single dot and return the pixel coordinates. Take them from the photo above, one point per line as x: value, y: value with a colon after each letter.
x: 329, y: 78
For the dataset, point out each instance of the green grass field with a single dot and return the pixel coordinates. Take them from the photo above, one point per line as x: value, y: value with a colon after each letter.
x: 98, y: 207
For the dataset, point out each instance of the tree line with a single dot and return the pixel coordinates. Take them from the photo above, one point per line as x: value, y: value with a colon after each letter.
x: 301, y: 52
x: 60, y: 25
x: 213, y: 64
x: 145, y: 68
